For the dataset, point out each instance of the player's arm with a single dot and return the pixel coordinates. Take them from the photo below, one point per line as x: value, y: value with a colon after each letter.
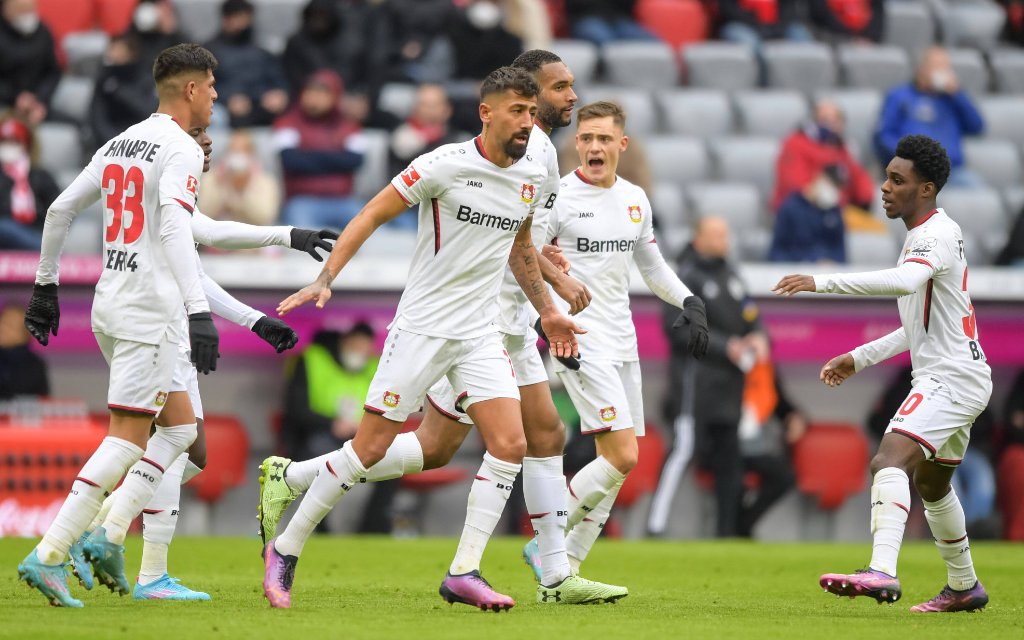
x: 227, y: 234
x: 664, y: 283
x: 384, y: 207
x: 842, y: 367
x: 899, y: 281
x: 524, y: 261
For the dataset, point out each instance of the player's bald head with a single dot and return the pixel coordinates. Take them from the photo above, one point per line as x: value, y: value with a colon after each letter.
x: 711, y: 237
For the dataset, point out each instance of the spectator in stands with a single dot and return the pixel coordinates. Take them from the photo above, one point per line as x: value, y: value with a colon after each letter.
x: 22, y: 372
x: 933, y: 104
x: 324, y: 402
x: 529, y: 21
x: 480, y: 42
x: 604, y: 21
x: 837, y: 21
x: 817, y: 144
x: 415, y: 51
x: 238, y: 188
x: 155, y: 25
x: 320, y: 151
x: 713, y: 387
x: 1014, y: 29
x: 1013, y: 253
x: 809, y: 224
x: 28, y: 62
x: 26, y: 192
x: 751, y: 22
x: 124, y: 91
x: 249, y: 80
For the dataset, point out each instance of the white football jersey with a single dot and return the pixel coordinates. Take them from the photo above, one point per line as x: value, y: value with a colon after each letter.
x: 516, y: 312
x: 598, y: 230
x: 153, y: 163
x: 470, y: 212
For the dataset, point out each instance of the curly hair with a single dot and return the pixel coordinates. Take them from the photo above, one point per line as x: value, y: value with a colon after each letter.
x: 509, y: 78
x: 930, y: 160
x: 534, y: 59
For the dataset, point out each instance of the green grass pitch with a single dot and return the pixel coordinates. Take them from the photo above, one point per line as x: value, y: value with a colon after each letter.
x: 374, y: 587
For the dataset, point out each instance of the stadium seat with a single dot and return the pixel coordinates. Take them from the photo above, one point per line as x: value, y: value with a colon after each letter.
x: 62, y: 17
x: 972, y: 23
x: 84, y: 51
x: 374, y: 171
x: 1002, y: 115
x: 909, y: 24
x: 671, y: 218
x: 397, y: 99
x: 644, y: 65
x: 739, y: 203
x: 979, y: 249
x: 199, y: 20
x: 998, y: 161
x: 276, y: 21
x: 73, y: 98
x: 831, y: 463
x: 770, y: 113
x: 641, y: 117
x: 800, y: 66
x: 970, y: 69
x: 705, y: 113
x: 580, y: 56
x: 1014, y: 199
x: 860, y: 110
x: 59, y: 146
x: 677, y: 22
x: 870, y: 249
x: 85, y: 237
x: 228, y: 444
x: 980, y: 213
x: 114, y: 16
x: 720, y: 65
x: 749, y: 159
x: 1010, y: 491
x: 874, y: 67
x: 1008, y: 69
x: 678, y: 159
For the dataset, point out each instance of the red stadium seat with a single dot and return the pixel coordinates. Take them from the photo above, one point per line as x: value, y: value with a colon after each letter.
x: 227, y: 445
x: 676, y: 22
x: 114, y: 16
x: 66, y: 16
x: 1010, y: 486
x: 559, y: 21
x: 831, y: 463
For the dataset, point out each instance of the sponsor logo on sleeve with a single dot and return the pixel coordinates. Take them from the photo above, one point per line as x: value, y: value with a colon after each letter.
x: 191, y: 185
x: 607, y: 414
x: 923, y: 247
x: 410, y: 176
x: 391, y: 399
x: 634, y: 213
x: 527, y: 193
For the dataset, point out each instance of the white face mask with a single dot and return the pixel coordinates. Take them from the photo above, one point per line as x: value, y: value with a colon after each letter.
x: 353, y: 361
x: 146, y: 17
x: 237, y: 162
x: 941, y: 79
x: 26, y: 23
x: 826, y: 194
x: 484, y: 15
x: 11, y: 152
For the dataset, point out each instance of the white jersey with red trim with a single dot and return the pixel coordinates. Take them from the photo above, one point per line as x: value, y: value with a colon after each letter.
x: 599, y: 230
x: 470, y: 212
x: 516, y: 313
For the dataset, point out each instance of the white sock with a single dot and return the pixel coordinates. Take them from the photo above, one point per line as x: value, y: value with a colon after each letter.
x: 300, y: 474
x: 101, y: 515
x: 405, y: 455
x: 144, y: 477
x: 191, y: 471
x: 946, y: 520
x: 159, y: 519
x: 341, y: 471
x: 99, y: 475
x: 890, y: 506
x: 589, y: 487
x: 487, y: 499
x: 583, y: 536
x: 544, y: 490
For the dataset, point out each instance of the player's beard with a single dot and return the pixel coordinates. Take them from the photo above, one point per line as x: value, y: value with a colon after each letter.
x: 549, y: 117
x: 514, y: 149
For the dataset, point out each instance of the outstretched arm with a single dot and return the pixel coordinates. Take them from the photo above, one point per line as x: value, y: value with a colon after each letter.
x: 226, y: 234
x: 899, y: 281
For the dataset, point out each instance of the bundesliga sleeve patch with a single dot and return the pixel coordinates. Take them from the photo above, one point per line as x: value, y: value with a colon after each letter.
x: 410, y: 176
x: 191, y: 184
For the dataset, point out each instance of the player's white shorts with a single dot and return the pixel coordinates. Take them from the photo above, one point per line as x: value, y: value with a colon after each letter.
x: 140, y: 374
x: 186, y: 379
x: 477, y: 368
x: 606, y: 394
x: 931, y: 418
x: 526, y: 362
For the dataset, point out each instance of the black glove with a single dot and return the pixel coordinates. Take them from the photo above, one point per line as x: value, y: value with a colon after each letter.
x: 203, y: 338
x: 309, y: 241
x: 43, y: 313
x: 276, y: 333
x: 569, y: 361
x: 694, y: 315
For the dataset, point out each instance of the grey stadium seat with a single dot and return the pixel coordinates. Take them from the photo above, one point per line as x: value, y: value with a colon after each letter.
x: 1002, y: 115
x: 720, y: 65
x: 199, y: 20
x: 580, y: 56
x: 1014, y: 199
x: 672, y: 217
x: 73, y: 97
x: 970, y: 69
x: 84, y: 51
x: 803, y: 66
x: 770, y: 113
x: 740, y: 205
x: 265, y: 151
x: 878, y: 67
x: 374, y: 171
x: 645, y: 65
x: 1008, y: 69
x: 678, y: 159
x: 747, y: 159
x: 397, y: 99
x: 971, y: 23
x: 59, y: 146
x: 998, y: 161
x: 85, y: 237
x: 640, y: 115
x: 705, y: 113
x: 909, y: 24
x: 860, y: 110
x: 874, y: 249
x: 978, y: 250
x: 276, y: 21
x: 979, y: 212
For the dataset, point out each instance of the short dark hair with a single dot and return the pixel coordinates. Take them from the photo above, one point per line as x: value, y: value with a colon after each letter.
x: 930, y: 160
x: 534, y: 59
x: 232, y: 7
x: 182, y: 58
x: 509, y: 78
x: 602, y: 109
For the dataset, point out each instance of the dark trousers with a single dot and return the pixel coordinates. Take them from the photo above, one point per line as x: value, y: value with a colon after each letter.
x: 776, y: 478
x: 718, y: 446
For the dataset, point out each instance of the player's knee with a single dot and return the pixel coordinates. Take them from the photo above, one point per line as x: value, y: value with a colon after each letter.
x: 546, y: 442
x: 198, y: 458
x: 437, y: 453
x: 510, y: 448
x: 625, y: 460
x: 930, y: 490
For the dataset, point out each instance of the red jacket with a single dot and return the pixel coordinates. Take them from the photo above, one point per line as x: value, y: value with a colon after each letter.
x: 802, y: 158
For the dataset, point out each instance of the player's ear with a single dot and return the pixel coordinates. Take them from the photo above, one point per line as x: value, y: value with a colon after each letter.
x: 927, y: 190
x: 623, y: 143
x: 485, y: 113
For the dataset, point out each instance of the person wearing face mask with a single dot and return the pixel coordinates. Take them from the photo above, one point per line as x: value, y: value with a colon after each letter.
x: 25, y: 191
x: 123, y: 94
x: 155, y: 25
x: 934, y: 105
x: 809, y: 226
x: 28, y: 64
x: 239, y: 188
x: 480, y: 42
x: 324, y: 403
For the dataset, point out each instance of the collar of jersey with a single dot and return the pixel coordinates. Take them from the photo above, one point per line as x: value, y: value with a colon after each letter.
x: 479, y: 144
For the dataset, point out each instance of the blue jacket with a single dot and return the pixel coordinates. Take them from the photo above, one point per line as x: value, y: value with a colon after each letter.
x: 805, y: 233
x: 908, y: 110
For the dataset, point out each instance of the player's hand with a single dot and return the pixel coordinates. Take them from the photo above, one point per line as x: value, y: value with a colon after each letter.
x: 203, y: 340
x: 569, y: 362
x: 561, y: 333
x: 555, y: 256
x: 43, y: 313
x: 320, y: 291
x: 574, y: 292
x: 309, y: 241
x: 837, y: 370
x: 276, y: 333
x: 794, y: 284
x: 696, y: 316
